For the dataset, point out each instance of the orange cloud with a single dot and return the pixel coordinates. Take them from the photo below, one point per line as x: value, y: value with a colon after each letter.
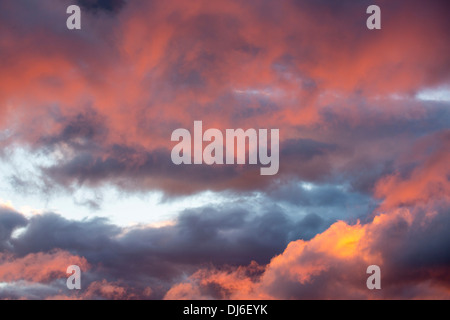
x: 197, y: 56
x: 38, y: 267
x: 332, y: 265
x: 426, y: 182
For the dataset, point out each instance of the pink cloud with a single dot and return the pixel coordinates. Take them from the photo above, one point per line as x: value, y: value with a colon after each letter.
x: 38, y: 267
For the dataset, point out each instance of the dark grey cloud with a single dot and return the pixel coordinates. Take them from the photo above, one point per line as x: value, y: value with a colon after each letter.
x: 88, y: 160
x: 51, y: 231
x: 144, y: 256
x: 424, y: 244
x: 9, y: 221
x: 112, y: 6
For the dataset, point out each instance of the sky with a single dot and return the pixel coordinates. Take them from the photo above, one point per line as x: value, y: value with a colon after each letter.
x: 86, y: 176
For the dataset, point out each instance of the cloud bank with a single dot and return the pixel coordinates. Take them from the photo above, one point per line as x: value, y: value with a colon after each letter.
x: 364, y: 176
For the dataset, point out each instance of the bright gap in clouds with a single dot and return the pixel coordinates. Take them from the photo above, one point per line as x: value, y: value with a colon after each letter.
x: 22, y: 189
x: 441, y: 94
x: 296, y: 200
x: 122, y: 210
x: 30, y: 196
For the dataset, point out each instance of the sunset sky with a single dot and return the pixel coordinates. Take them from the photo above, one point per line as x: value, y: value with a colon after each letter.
x: 86, y: 175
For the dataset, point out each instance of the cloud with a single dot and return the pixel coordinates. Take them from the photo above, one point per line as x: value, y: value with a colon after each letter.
x: 9, y: 221
x: 102, y: 5
x: 428, y: 180
x: 38, y: 267
x: 230, y: 253
x: 144, y: 261
x: 109, y: 108
x: 333, y: 264
x: 98, y: 106
x: 407, y: 237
